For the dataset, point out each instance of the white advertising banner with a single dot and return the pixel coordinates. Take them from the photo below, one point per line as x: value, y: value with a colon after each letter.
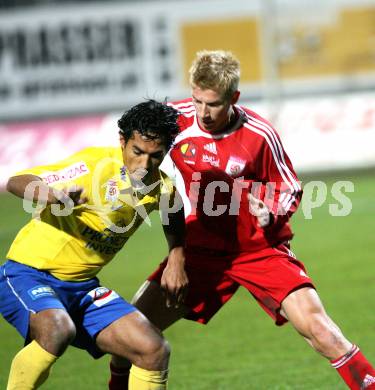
x: 74, y: 59
x: 330, y: 133
x: 28, y: 144
x: 326, y: 132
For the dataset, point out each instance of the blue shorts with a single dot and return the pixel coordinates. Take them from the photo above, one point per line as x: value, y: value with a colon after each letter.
x: 25, y: 290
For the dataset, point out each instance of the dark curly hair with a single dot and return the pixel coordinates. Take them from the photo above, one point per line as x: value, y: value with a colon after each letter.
x: 152, y: 119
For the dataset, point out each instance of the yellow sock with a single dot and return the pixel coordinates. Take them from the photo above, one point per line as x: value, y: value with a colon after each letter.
x: 141, y: 379
x: 30, y: 367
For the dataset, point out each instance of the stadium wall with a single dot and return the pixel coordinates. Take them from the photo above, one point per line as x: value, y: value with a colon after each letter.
x: 320, y: 133
x: 73, y: 59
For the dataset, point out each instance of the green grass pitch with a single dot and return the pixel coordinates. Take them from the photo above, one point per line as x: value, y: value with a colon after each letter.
x: 240, y: 348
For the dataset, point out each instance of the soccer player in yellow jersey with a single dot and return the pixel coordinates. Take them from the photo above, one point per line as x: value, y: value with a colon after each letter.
x: 87, y: 206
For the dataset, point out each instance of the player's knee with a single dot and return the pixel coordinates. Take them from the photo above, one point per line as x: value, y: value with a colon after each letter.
x: 324, y: 332
x: 163, y: 352
x: 160, y: 355
x: 64, y: 326
x: 327, y: 339
x: 155, y: 355
x: 157, y: 349
x: 319, y: 329
x: 56, y: 333
x: 68, y: 330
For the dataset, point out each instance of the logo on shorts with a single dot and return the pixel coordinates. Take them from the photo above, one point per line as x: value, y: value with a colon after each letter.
x: 41, y: 291
x: 102, y: 295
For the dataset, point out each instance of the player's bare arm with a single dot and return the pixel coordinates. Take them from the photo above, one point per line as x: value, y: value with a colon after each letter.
x: 43, y: 193
x: 174, y: 280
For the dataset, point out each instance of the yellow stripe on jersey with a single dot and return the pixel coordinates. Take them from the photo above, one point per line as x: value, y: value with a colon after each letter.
x: 75, y: 247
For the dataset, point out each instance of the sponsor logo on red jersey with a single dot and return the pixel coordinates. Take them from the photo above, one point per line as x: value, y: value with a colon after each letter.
x: 211, y: 147
x: 211, y: 160
x: 189, y: 151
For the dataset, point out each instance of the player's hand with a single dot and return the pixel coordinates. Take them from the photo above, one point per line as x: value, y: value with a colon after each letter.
x: 174, y: 280
x: 76, y: 195
x: 259, y: 210
x: 71, y: 196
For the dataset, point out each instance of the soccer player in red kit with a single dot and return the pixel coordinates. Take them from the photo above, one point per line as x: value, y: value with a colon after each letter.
x: 239, y: 189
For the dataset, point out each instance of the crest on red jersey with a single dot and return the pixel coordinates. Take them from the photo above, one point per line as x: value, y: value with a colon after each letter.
x: 235, y: 166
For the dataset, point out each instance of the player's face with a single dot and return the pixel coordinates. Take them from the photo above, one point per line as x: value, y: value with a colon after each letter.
x: 213, y: 111
x: 142, y: 157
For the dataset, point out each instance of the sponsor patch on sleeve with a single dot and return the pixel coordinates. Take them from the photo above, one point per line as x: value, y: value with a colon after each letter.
x: 66, y: 174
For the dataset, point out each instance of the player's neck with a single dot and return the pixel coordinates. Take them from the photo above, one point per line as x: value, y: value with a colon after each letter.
x: 230, y: 122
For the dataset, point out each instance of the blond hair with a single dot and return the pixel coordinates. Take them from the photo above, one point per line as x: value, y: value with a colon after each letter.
x: 217, y: 70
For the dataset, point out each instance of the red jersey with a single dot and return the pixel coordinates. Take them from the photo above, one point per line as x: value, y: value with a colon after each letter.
x: 215, y: 172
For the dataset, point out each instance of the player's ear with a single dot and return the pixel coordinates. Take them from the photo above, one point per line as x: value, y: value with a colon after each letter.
x: 122, y: 141
x: 235, y: 97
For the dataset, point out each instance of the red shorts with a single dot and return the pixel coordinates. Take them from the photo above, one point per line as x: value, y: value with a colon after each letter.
x: 270, y: 275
